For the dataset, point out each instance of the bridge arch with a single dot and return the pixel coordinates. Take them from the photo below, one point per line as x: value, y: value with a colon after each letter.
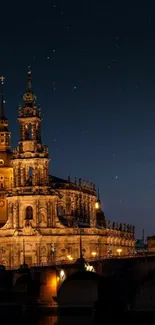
x: 79, y: 289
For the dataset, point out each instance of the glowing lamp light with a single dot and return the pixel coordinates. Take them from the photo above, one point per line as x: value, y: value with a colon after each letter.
x: 62, y: 274
x: 70, y: 258
x: 97, y: 205
x: 94, y: 254
x: 119, y: 250
x: 53, y: 281
x: 89, y: 268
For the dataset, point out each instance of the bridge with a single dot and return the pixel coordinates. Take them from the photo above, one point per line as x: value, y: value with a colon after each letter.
x: 116, y: 281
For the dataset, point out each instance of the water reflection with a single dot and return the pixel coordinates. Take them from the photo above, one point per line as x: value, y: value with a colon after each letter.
x: 82, y: 320
x: 63, y: 320
x: 47, y: 320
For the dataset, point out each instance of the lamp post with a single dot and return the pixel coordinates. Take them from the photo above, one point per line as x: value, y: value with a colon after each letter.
x: 53, y: 250
x: 119, y: 251
x: 24, y: 261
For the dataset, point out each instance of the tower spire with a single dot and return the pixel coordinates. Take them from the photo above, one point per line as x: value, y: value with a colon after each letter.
x: 98, y: 196
x: 29, y: 79
x: 2, y: 98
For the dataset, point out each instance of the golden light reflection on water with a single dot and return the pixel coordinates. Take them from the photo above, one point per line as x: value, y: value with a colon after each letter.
x: 65, y: 320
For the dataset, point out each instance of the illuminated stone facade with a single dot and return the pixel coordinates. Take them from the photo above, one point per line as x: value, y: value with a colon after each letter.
x: 47, y: 217
x: 6, y: 170
x: 151, y: 244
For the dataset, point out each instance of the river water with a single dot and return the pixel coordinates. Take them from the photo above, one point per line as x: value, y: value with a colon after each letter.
x: 84, y: 320
x: 65, y: 320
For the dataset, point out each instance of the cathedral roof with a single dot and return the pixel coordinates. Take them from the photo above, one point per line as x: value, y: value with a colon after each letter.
x: 58, y: 180
x: 68, y: 184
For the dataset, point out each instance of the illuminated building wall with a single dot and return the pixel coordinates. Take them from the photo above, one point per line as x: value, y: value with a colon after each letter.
x: 48, y: 217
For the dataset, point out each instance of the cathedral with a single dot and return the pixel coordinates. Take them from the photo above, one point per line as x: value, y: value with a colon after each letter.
x: 45, y: 219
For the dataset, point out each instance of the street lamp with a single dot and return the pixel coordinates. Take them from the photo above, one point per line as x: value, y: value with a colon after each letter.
x: 93, y: 254
x: 97, y: 205
x: 70, y: 258
x: 119, y: 251
x: 53, y: 251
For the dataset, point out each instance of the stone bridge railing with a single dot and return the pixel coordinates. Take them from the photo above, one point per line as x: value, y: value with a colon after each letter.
x: 138, y: 257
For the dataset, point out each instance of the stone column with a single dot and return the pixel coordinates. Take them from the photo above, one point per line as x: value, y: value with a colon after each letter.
x: 16, y: 214
x: 35, y: 175
x: 33, y: 131
x: 53, y: 212
x: 26, y: 172
x: 38, y: 253
x: 22, y: 176
x: 37, y: 212
x: 10, y: 214
x: 19, y: 175
x: 48, y: 213
x: 14, y: 177
x: 23, y: 131
x: 92, y: 214
x: 22, y: 213
x: 41, y: 176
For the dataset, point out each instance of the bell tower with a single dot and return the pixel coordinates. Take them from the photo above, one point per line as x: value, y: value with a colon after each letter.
x: 30, y: 159
x: 31, y: 205
x: 6, y: 170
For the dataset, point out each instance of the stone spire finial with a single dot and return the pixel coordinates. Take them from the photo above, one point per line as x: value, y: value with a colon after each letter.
x: 2, y: 98
x: 98, y: 195
x: 29, y: 79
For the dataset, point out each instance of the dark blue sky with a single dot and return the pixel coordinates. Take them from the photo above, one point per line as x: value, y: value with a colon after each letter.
x: 93, y: 68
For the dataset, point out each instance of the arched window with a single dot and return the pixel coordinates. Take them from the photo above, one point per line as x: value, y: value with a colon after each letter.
x: 68, y: 205
x: 1, y: 181
x: 30, y: 171
x: 29, y: 213
x: 60, y: 211
x: 28, y: 132
x: 29, y: 176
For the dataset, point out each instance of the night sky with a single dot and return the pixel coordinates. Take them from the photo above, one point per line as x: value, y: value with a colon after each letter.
x: 93, y: 69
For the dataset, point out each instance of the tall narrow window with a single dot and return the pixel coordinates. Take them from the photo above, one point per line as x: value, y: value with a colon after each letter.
x: 1, y: 181
x: 28, y: 132
x: 30, y: 171
x: 29, y: 177
x: 29, y: 213
x: 68, y: 205
x: 60, y: 211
